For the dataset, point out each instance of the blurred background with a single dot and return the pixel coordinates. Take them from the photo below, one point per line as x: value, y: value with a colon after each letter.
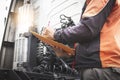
x: 17, y: 17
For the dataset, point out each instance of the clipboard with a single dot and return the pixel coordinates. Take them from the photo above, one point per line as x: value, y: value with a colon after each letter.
x: 50, y: 42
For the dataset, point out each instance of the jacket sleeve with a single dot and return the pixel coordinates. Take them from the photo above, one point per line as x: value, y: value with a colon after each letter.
x: 90, y: 25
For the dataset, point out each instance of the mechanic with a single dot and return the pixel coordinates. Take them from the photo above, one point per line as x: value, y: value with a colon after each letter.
x: 98, y: 36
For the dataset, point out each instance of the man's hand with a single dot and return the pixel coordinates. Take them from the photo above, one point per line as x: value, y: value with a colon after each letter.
x: 48, y: 32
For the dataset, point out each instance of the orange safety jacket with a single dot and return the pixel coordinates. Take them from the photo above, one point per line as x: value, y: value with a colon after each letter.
x: 98, y: 34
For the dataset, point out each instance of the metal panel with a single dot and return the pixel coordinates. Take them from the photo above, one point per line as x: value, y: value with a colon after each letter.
x: 4, y: 8
x: 5, y: 46
x: 37, y: 12
x: 70, y: 8
x: 10, y: 28
x: 49, y: 11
